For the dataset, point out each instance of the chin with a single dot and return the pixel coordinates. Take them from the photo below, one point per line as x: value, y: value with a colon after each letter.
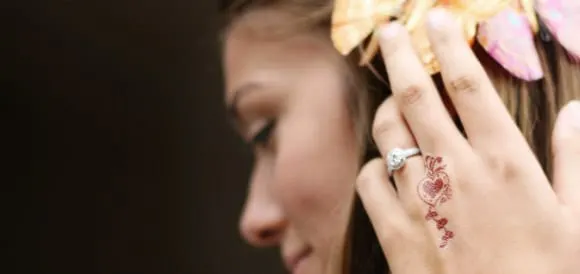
x: 311, y: 265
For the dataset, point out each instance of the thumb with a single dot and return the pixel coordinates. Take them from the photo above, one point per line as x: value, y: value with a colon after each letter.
x: 566, y: 148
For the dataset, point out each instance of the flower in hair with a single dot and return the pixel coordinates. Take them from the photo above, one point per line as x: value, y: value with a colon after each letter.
x: 504, y: 28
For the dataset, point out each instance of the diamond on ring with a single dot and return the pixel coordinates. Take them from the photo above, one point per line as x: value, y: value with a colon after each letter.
x: 397, y: 157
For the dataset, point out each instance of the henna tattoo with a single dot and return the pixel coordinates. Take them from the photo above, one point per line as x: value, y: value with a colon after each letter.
x: 434, y: 190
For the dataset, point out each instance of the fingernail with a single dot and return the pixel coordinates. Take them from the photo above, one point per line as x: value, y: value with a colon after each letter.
x: 569, y: 120
x: 439, y: 18
x: 390, y: 30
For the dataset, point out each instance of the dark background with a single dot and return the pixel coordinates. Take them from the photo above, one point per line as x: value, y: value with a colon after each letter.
x: 118, y: 157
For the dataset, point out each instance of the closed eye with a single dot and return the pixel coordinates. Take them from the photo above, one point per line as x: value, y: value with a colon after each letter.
x: 263, y: 136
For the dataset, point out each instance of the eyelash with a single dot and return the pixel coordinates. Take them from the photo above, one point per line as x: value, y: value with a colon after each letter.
x: 263, y: 136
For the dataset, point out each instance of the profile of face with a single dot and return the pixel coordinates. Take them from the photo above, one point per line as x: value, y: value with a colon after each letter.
x: 288, y: 99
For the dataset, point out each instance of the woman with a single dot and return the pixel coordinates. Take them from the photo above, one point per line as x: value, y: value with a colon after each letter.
x: 290, y: 95
x: 305, y: 110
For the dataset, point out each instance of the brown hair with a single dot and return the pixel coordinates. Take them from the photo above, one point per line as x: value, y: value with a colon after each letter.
x: 532, y: 105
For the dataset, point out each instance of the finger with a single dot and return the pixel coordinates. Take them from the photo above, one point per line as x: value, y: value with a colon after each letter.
x: 566, y: 147
x: 380, y: 201
x: 390, y: 131
x: 486, y: 121
x: 405, y: 245
x: 416, y: 94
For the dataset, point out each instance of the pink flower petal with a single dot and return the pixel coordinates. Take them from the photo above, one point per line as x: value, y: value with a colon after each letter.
x: 562, y: 18
x: 508, y: 38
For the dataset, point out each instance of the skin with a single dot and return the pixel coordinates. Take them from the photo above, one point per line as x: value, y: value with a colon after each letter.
x: 303, y: 178
x: 301, y: 186
x: 505, y: 215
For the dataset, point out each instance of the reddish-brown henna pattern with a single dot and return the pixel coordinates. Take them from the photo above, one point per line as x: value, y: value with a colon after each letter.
x: 434, y: 190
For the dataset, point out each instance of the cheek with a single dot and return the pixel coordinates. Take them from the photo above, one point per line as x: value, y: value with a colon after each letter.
x: 315, y: 171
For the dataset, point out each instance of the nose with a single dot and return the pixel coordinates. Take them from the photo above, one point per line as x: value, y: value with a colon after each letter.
x: 263, y: 221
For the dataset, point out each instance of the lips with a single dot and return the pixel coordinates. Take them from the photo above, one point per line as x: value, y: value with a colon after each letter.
x: 293, y: 259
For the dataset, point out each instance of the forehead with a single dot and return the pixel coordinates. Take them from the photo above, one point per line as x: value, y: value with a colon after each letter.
x: 256, y: 48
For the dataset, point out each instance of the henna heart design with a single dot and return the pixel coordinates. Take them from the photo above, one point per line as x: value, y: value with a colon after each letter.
x: 434, y: 190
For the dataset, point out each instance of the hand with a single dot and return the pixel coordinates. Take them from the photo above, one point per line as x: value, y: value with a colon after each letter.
x: 475, y: 204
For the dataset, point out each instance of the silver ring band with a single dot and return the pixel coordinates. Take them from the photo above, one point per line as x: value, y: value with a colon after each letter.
x: 397, y: 157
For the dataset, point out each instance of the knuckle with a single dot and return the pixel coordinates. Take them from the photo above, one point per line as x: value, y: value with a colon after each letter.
x: 464, y: 84
x: 368, y: 173
x: 383, y: 125
x: 362, y: 181
x: 416, y: 211
x: 410, y: 95
x: 502, y: 165
x: 397, y: 232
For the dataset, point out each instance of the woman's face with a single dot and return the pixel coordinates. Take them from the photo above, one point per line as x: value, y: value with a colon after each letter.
x: 289, y: 101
